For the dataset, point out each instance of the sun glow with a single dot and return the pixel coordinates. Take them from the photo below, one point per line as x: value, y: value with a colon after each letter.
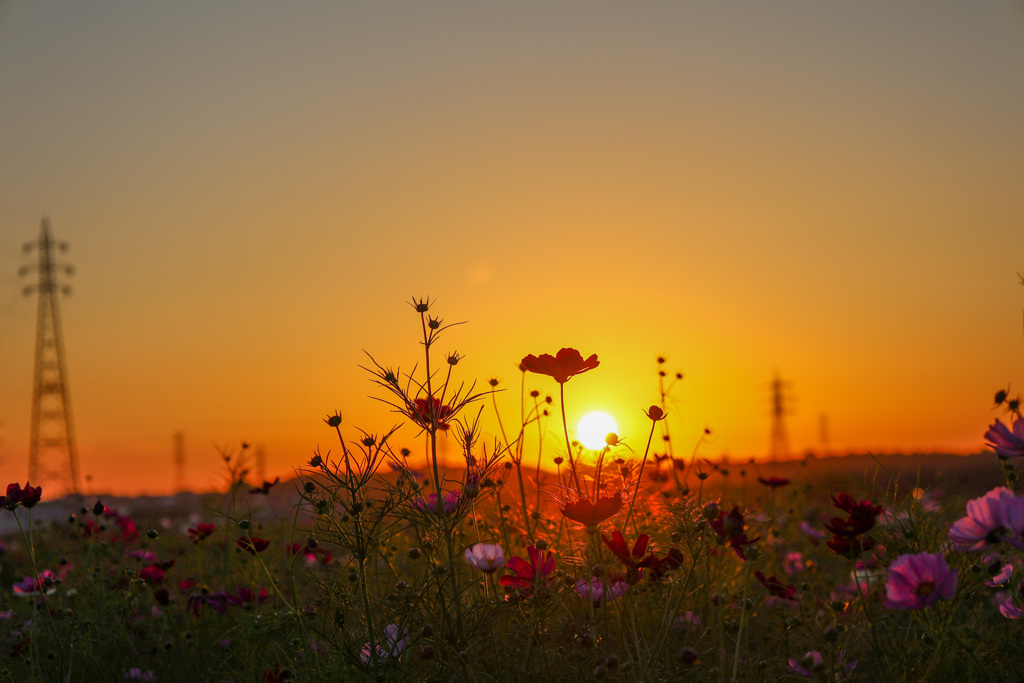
x: 593, y: 428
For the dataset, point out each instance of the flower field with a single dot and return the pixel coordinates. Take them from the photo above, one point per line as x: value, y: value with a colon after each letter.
x: 607, y: 564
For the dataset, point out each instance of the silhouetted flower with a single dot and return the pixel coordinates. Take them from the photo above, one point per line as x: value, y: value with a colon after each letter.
x: 773, y: 482
x: 630, y: 558
x: 527, y: 574
x: 565, y: 364
x: 589, y: 514
x: 729, y: 529
x: 252, y: 544
x: 264, y: 488
x: 16, y: 496
x: 849, y: 537
x: 486, y: 557
x: 428, y: 412
x: 917, y: 581
x: 776, y: 587
x: 996, y: 516
x: 1006, y: 443
x: 655, y: 413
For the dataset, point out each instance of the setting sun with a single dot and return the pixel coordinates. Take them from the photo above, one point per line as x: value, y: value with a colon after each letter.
x: 593, y: 428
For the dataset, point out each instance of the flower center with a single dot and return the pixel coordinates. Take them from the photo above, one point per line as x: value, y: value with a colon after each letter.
x: 925, y: 588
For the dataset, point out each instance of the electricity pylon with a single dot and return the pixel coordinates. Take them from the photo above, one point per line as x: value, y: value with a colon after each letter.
x: 780, y: 438
x: 53, y: 433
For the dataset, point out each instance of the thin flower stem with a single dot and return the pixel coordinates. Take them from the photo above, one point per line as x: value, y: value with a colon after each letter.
x: 568, y: 447
x: 639, y: 476
x: 743, y: 621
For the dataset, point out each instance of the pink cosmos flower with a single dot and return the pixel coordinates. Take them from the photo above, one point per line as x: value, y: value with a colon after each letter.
x: 811, y: 533
x: 1009, y: 608
x: 598, y: 590
x: 429, y: 504
x: 486, y: 557
x: 794, y: 562
x: 917, y: 581
x: 812, y: 665
x: 395, y: 642
x: 1006, y: 443
x: 1002, y: 579
x: 996, y: 516
x: 28, y: 588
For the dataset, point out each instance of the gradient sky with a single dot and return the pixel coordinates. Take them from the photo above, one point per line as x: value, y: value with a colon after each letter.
x: 252, y: 191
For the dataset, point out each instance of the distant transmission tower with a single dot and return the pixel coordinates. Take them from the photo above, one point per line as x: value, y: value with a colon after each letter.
x: 780, y: 438
x: 52, y: 442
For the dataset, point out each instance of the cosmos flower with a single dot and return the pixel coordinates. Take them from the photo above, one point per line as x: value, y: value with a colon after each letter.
x: 429, y: 504
x: 814, y: 535
x: 917, y: 581
x: 426, y: 412
x: 1009, y: 608
x: 996, y: 516
x: 729, y: 529
x: 597, y: 590
x: 200, y: 532
x: 486, y: 557
x: 565, y: 364
x: 394, y: 643
x: 589, y: 514
x: 812, y: 665
x: 252, y: 544
x: 29, y: 587
x: 773, y: 482
x: 1006, y: 443
x: 1001, y: 579
x: 16, y: 496
x: 776, y: 588
x: 247, y: 596
x: 526, y: 574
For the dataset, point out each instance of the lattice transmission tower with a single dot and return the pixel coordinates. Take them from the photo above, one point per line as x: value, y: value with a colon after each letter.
x: 52, y: 442
x: 780, y: 408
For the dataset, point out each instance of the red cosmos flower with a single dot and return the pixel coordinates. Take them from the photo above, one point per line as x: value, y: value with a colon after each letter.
x: 635, y: 561
x: 589, y: 514
x: 27, y: 497
x: 848, y: 537
x: 152, y: 574
x: 265, y: 487
x: 528, y: 574
x: 425, y: 411
x: 773, y: 482
x: 776, y: 587
x: 729, y: 528
x: 200, y: 532
x: 565, y: 364
x: 253, y: 545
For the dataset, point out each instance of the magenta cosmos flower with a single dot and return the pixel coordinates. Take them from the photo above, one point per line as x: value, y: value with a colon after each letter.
x: 597, y: 590
x: 430, y: 505
x: 1006, y: 443
x: 920, y: 580
x: 486, y: 557
x: 996, y: 516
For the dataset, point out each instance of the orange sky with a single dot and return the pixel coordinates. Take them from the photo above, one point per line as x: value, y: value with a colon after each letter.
x: 252, y: 191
